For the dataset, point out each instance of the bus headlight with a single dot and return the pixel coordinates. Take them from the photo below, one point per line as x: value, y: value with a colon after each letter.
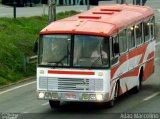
x: 92, y: 97
x: 41, y: 95
x: 99, y: 97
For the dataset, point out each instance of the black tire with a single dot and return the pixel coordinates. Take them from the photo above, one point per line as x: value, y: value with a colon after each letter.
x: 111, y: 103
x: 54, y: 104
x: 137, y: 88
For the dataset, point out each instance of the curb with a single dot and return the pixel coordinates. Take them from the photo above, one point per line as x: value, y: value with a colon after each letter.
x: 18, y: 82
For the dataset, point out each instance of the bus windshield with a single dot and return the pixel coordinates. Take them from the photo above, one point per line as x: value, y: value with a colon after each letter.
x: 91, y: 51
x: 55, y: 50
x: 74, y: 51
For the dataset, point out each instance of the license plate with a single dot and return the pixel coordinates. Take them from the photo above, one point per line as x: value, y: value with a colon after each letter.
x: 70, y: 96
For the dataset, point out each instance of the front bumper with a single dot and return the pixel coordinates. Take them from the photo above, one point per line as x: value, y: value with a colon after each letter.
x: 73, y: 96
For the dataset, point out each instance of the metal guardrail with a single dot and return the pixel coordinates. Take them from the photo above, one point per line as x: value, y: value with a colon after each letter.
x: 32, y: 59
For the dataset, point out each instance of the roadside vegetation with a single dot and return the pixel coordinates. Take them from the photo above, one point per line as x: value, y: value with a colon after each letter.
x: 17, y: 37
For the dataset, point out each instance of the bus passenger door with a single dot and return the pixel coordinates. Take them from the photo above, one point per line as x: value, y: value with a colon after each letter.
x: 119, y: 61
x: 119, y: 53
x: 114, y: 56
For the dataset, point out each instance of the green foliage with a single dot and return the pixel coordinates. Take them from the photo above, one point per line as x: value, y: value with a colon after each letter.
x: 66, y: 14
x: 17, y: 37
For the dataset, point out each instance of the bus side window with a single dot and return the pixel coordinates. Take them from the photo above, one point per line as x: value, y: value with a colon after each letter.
x: 138, y: 33
x: 123, y: 41
x: 146, y: 31
x: 115, y: 50
x: 152, y: 27
x: 131, y: 38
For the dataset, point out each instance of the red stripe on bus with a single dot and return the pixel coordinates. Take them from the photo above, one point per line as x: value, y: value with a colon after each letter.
x: 151, y: 55
x: 70, y: 72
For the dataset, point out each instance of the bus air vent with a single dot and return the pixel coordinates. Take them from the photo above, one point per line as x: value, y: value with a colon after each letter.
x: 106, y: 12
x: 90, y: 17
x: 111, y: 9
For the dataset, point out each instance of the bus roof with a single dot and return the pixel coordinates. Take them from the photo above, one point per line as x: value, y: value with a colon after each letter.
x: 103, y: 20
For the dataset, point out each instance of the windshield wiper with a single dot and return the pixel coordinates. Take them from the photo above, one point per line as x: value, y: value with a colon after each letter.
x: 64, y: 57
x: 95, y: 62
x: 60, y: 61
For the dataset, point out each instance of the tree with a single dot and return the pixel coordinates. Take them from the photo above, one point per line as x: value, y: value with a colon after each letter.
x: 51, y: 10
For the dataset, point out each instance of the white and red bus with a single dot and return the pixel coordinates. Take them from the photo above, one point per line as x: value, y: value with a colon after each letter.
x: 70, y: 70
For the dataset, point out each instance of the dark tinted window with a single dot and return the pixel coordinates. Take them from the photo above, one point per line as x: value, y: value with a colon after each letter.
x: 123, y: 41
x: 138, y: 32
x: 146, y: 31
x: 152, y: 27
x: 131, y: 38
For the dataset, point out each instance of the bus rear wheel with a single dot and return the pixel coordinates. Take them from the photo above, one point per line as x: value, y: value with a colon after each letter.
x: 139, y: 84
x: 54, y: 104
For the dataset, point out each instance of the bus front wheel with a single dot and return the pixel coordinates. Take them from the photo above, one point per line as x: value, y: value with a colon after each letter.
x: 111, y: 103
x: 54, y: 104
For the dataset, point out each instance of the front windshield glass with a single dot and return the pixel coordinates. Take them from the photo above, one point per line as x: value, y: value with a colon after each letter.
x: 91, y: 51
x: 84, y: 51
x: 55, y: 50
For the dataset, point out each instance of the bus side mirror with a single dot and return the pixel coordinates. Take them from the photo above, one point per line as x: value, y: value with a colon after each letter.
x: 116, y: 48
x: 35, y: 46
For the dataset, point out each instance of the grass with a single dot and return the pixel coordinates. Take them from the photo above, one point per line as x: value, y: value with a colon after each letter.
x: 17, y: 37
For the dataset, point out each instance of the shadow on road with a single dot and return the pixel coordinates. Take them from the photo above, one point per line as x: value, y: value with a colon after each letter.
x: 85, y: 108
x: 99, y: 108
x: 89, y: 108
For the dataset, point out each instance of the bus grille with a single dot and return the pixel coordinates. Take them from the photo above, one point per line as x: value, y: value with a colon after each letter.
x: 70, y: 84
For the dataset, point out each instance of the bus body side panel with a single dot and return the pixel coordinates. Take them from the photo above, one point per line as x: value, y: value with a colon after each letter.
x: 128, y: 80
x: 149, y: 60
x: 118, y: 71
x: 149, y: 69
x: 127, y: 70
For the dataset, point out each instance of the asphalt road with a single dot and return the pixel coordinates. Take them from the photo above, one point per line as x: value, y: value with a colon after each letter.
x: 20, y: 101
